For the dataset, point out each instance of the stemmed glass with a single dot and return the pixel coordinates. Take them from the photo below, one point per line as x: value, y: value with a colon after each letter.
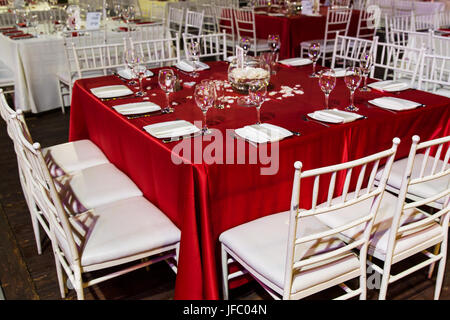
x: 352, y: 80
x: 366, y: 64
x: 257, y: 91
x: 274, y: 42
x: 220, y: 93
x: 327, y: 82
x: 193, y: 50
x: 204, y: 94
x: 131, y: 59
x: 314, y: 53
x: 245, y: 44
x: 140, y: 70
x: 167, y: 80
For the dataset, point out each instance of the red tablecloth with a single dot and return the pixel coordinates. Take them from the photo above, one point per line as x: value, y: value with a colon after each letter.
x: 295, y: 29
x: 203, y: 199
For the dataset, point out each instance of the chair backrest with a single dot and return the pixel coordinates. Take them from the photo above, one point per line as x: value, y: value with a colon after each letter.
x: 158, y: 52
x: 367, y: 23
x: 225, y: 23
x: 431, y: 168
x: 157, y: 11
x: 444, y: 19
x: 211, y: 45
x: 404, y: 7
x: 365, y: 190
x: 148, y: 32
x: 194, y: 22
x: 175, y: 19
x: 412, y: 39
x: 244, y: 19
x: 7, y: 19
x: 441, y: 45
x: 402, y: 22
x: 338, y: 21
x: 210, y: 24
x: 434, y: 73
x: 426, y: 22
x: 347, y: 50
x: 398, y: 62
x: 98, y: 58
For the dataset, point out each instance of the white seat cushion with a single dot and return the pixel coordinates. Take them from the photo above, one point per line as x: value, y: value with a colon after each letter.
x: 421, y: 190
x: 121, y: 229
x: 262, y: 245
x: 64, y: 76
x: 382, y: 224
x: 72, y: 156
x: 95, y: 186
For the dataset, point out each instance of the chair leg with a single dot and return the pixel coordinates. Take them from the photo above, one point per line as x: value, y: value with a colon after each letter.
x: 78, y: 285
x: 385, y: 281
x: 61, y: 97
x: 431, y: 269
x: 224, y: 273
x: 363, y: 279
x: 441, y: 269
x: 60, y: 275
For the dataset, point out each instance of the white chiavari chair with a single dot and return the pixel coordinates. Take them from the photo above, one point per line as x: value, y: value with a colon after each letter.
x: 426, y: 22
x: 403, y: 22
x: 441, y: 45
x: 368, y: 22
x: 398, y: 63
x: 347, y: 50
x: 194, y: 22
x: 244, y: 19
x: 338, y: 21
x: 293, y: 255
x: 434, y: 74
x: 404, y: 7
x: 69, y: 74
x: 210, y: 24
x: 99, y: 239
x: 149, y: 31
x: 7, y: 19
x: 175, y: 19
x: 412, y: 39
x: 402, y: 229
x: 225, y: 23
x: 157, y: 12
x: 211, y: 45
x: 158, y: 52
x: 444, y: 19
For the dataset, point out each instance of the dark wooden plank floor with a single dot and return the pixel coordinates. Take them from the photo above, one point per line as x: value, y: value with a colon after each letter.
x: 26, y: 275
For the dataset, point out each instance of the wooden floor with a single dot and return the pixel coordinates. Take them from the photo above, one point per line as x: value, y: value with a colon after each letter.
x: 26, y: 275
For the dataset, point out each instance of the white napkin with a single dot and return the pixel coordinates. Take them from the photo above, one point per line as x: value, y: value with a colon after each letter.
x: 111, y: 91
x: 263, y: 133
x: 296, y: 61
x: 340, y: 72
x: 335, y: 116
x: 389, y: 85
x: 137, y: 108
x: 171, y: 129
x: 188, y: 66
x: 261, y: 12
x: 393, y: 103
x: 275, y: 14
x: 127, y: 74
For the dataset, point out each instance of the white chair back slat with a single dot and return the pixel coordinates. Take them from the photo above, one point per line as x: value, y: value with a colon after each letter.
x: 194, y: 22
x: 434, y: 74
x: 367, y: 24
x: 211, y: 45
x: 175, y: 19
x: 159, y: 52
x: 348, y: 50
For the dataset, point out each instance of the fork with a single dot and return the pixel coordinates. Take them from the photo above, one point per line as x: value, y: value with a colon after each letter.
x: 368, y: 105
x: 305, y: 118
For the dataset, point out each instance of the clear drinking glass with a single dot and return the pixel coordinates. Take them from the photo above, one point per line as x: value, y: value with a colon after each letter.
x: 193, y: 50
x: 220, y: 93
x: 274, y: 42
x: 245, y: 43
x: 327, y: 82
x: 366, y: 64
x: 314, y: 53
x: 352, y: 80
x: 204, y: 94
x: 257, y: 91
x: 131, y: 59
x: 140, y: 70
x: 166, y: 81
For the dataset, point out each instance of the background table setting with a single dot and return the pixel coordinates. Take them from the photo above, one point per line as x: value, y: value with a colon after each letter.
x: 141, y: 129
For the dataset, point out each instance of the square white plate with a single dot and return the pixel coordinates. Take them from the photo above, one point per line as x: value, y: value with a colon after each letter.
x: 171, y: 129
x: 187, y: 66
x: 111, y: 91
x: 295, y: 62
x: 390, y: 85
x: 137, y: 108
x: 334, y: 116
x: 127, y: 74
x: 393, y: 103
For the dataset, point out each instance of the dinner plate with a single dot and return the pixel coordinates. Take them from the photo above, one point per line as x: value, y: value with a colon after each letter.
x: 171, y: 129
x: 263, y: 133
x: 276, y: 14
x: 187, y: 66
x: 340, y: 72
x: 111, y: 91
x: 296, y: 62
x: 137, y: 108
x: 334, y: 116
x: 312, y: 14
x: 394, y: 103
x: 390, y: 85
x: 126, y: 74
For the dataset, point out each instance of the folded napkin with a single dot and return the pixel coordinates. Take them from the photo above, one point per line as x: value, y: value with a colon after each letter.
x: 7, y: 29
x: 390, y: 85
x: 335, y: 116
x: 276, y: 14
x: 137, y: 108
x: 393, y: 103
x: 188, y: 66
x: 128, y: 74
x: 171, y: 129
x: 263, y: 133
x: 296, y: 61
x: 13, y: 32
x: 111, y: 91
x: 21, y: 36
x: 340, y: 72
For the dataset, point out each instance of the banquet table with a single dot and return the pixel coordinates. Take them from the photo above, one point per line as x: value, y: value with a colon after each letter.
x: 205, y: 198
x: 295, y: 29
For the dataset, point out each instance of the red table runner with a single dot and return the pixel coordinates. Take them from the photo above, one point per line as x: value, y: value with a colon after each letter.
x: 204, y: 199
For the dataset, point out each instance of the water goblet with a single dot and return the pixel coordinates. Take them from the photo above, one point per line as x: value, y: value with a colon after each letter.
x: 131, y: 59
x: 166, y: 81
x: 245, y: 44
x: 193, y: 50
x: 366, y: 64
x: 257, y: 91
x: 327, y: 82
x: 140, y: 70
x: 352, y: 80
x: 220, y: 93
x: 204, y: 94
x: 274, y: 42
x: 314, y: 53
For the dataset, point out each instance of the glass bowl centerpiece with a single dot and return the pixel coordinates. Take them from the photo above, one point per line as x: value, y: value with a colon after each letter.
x: 252, y: 69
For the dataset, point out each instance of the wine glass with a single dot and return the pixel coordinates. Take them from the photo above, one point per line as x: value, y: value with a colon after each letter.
x: 193, y: 50
x: 314, y: 53
x: 166, y: 80
x: 204, y: 94
x: 140, y: 70
x: 220, y: 93
x: 352, y: 80
x: 245, y: 44
x: 327, y: 82
x: 257, y: 91
x: 274, y: 42
x: 366, y: 64
x: 131, y: 59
